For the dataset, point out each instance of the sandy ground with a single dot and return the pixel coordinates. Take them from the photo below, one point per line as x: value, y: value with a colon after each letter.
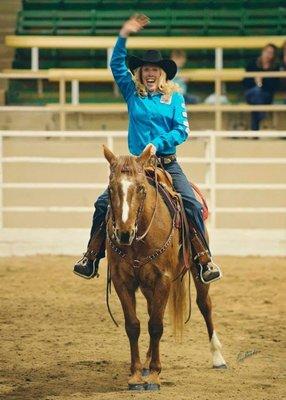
x: 58, y: 341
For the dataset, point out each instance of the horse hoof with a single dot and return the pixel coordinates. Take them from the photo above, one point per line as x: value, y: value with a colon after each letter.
x: 152, y: 386
x: 145, y: 372
x: 136, y: 386
x: 222, y: 366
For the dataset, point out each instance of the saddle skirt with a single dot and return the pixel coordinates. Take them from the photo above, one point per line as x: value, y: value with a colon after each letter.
x: 165, y: 179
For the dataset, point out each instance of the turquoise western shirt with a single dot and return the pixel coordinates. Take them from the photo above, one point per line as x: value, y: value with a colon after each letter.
x: 151, y: 118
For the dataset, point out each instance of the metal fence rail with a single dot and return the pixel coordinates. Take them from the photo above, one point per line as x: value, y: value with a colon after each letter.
x: 210, y: 159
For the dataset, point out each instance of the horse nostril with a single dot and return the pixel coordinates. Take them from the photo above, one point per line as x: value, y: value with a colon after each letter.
x: 124, y: 237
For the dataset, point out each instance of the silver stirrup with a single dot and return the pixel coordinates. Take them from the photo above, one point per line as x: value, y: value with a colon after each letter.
x: 94, y: 270
x: 213, y: 280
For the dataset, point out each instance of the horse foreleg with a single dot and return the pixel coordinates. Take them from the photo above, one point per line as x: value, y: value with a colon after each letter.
x: 148, y: 293
x: 155, y: 327
x: 132, y: 327
x: 205, y: 306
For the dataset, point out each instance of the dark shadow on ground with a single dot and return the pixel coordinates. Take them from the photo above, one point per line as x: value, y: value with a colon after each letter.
x: 65, y: 379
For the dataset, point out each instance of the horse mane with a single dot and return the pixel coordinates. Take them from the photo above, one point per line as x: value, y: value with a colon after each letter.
x: 128, y: 165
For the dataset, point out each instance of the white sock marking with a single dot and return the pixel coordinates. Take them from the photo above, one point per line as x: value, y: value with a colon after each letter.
x: 216, y: 346
x: 125, y: 207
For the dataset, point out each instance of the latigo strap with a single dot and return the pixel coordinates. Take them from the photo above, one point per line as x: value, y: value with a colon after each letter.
x: 202, y: 255
x: 96, y: 245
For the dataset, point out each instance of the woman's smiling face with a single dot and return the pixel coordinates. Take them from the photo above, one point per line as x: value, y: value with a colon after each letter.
x: 150, y: 77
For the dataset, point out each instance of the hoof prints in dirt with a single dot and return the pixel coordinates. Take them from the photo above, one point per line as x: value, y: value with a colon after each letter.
x: 95, y: 365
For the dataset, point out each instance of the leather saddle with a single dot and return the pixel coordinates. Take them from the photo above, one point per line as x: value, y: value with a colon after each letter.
x: 165, y: 180
x: 174, y: 203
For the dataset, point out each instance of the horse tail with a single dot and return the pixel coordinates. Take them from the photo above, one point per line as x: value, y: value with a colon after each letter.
x: 177, y: 304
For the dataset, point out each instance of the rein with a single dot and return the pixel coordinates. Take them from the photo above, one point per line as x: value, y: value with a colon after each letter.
x: 154, y: 211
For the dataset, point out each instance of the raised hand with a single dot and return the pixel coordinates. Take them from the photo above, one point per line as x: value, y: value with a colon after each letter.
x: 134, y: 24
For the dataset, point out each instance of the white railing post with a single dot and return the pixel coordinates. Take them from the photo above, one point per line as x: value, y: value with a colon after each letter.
x: 212, y: 178
x: 75, y: 92
x: 218, y: 58
x: 35, y: 59
x: 62, y: 99
x: 1, y: 181
x: 207, y: 154
x: 218, y: 87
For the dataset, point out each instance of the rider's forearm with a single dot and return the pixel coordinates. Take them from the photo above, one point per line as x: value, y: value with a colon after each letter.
x: 117, y: 63
x: 119, y: 69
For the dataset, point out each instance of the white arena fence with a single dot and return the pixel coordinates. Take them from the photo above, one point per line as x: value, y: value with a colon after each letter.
x: 66, y: 241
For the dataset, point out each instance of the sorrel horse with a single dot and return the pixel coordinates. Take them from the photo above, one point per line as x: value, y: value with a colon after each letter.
x: 142, y: 249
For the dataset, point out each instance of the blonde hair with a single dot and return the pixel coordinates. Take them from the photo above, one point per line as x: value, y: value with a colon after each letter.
x: 165, y: 86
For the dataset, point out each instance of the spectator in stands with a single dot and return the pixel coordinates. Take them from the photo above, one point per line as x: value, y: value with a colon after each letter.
x: 157, y: 118
x: 284, y: 55
x: 179, y: 56
x: 283, y: 68
x: 261, y: 90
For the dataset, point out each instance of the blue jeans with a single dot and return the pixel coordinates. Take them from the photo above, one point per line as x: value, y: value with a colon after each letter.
x: 193, y: 207
x: 256, y: 95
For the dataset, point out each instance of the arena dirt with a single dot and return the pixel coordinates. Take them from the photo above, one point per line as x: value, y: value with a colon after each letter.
x: 58, y: 342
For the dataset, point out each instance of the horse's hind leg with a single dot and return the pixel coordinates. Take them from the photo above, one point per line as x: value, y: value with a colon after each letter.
x: 205, y: 305
x: 132, y: 327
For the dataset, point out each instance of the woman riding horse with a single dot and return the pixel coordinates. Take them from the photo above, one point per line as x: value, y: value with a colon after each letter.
x: 157, y: 116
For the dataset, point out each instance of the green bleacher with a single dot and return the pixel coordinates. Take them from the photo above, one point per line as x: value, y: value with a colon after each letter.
x: 169, y: 18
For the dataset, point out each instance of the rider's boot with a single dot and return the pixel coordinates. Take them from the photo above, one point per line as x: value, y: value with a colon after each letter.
x: 208, y: 270
x: 87, y: 266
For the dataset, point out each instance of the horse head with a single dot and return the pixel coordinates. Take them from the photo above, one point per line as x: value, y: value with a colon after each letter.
x: 127, y: 192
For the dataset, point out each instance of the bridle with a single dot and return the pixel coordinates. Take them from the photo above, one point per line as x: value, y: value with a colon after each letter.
x: 140, y: 208
x: 138, y: 263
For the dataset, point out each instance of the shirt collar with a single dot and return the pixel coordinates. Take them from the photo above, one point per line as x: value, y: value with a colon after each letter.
x: 151, y: 94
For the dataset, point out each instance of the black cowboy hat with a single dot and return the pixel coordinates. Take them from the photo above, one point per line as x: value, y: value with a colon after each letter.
x: 153, y: 57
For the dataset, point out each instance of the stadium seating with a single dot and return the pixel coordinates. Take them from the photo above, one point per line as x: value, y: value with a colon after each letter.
x: 166, y: 20
x: 169, y: 18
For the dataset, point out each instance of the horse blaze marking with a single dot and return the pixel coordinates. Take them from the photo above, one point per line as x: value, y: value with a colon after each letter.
x: 125, y: 207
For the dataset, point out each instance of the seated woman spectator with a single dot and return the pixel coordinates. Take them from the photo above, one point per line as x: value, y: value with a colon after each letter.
x: 283, y: 68
x: 261, y: 90
x: 284, y: 55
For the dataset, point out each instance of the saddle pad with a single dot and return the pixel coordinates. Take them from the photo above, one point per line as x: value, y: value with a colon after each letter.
x: 201, y: 198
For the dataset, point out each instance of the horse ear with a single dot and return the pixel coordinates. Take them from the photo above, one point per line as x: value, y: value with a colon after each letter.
x: 145, y: 155
x: 111, y: 158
